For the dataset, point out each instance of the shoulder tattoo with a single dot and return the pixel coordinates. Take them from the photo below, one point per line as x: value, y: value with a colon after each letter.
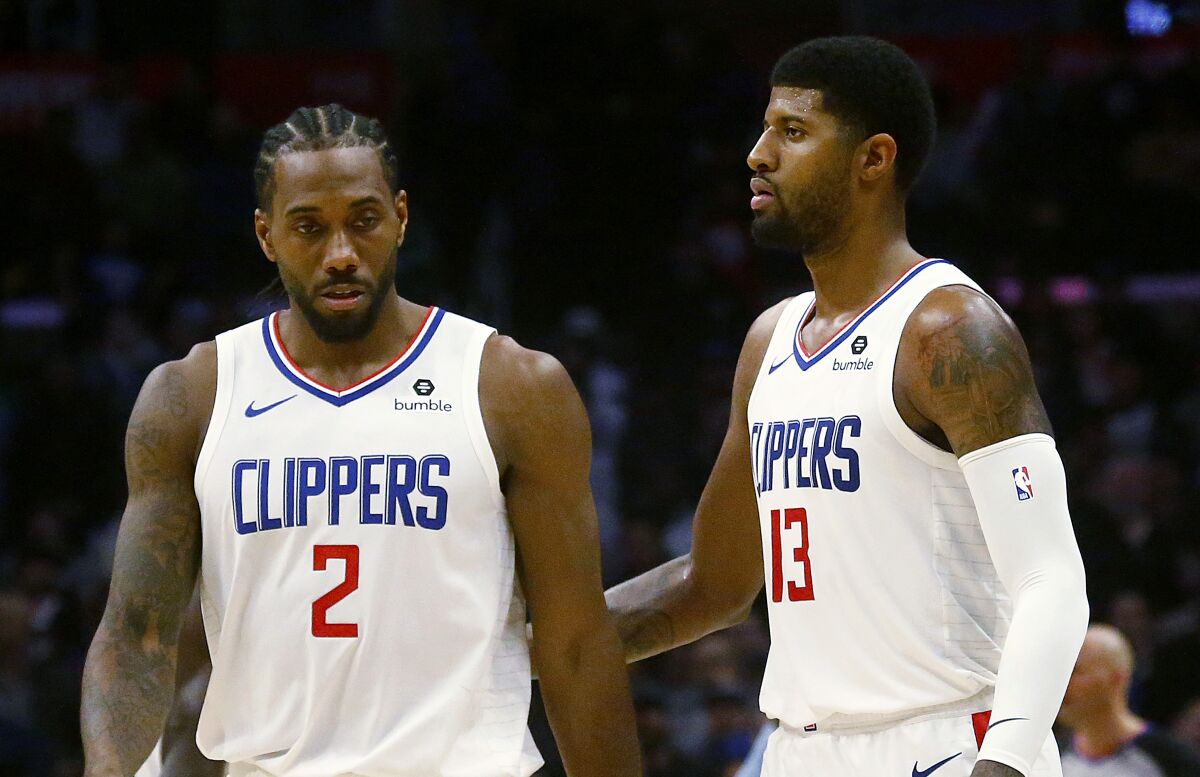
x: 980, y: 388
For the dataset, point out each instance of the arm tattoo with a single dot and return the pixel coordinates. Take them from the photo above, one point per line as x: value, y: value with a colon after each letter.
x: 642, y: 607
x: 646, y: 633
x: 129, y: 678
x: 980, y: 381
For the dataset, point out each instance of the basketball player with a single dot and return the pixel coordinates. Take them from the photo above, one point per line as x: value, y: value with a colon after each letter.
x: 888, y: 446
x: 367, y: 488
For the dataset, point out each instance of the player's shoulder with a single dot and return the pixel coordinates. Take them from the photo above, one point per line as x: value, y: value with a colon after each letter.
x: 754, y: 350
x: 758, y: 337
x: 180, y: 392
x: 962, y: 367
x: 525, y: 396
x: 520, y: 373
x: 955, y: 311
x: 193, y: 373
x: 764, y: 325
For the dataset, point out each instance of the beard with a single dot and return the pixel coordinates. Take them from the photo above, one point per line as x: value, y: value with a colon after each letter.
x: 808, y: 220
x: 347, y: 327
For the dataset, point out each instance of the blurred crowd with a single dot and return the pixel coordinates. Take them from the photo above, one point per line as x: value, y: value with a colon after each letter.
x: 583, y: 187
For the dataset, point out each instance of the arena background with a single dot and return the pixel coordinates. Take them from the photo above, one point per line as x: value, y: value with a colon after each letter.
x: 576, y: 177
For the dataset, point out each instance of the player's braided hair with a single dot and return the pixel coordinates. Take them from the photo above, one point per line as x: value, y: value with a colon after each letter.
x: 316, y: 129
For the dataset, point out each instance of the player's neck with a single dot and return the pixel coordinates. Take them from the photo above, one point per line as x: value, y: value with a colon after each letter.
x: 398, y: 320
x: 1107, y: 734
x: 860, y: 266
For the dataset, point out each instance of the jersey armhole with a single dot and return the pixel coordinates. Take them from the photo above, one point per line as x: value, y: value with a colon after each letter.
x: 901, y: 432
x: 473, y: 412
x: 222, y: 399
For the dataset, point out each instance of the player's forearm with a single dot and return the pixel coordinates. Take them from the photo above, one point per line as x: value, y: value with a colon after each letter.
x: 665, y: 608
x: 1019, y: 489
x: 181, y: 756
x: 993, y: 769
x: 184, y: 759
x: 1050, y: 617
x: 585, y: 687
x: 127, y: 692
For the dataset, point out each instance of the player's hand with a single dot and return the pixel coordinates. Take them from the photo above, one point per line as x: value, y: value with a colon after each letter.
x: 993, y: 769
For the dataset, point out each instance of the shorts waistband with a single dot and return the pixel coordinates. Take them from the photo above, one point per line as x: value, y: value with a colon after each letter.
x: 865, y: 724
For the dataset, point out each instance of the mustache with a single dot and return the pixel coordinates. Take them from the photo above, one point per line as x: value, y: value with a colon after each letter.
x: 349, y: 279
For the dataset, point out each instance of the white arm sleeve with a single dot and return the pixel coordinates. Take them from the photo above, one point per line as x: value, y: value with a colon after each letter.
x: 1020, y: 494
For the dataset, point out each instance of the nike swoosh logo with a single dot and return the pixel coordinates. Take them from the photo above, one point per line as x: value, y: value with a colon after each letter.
x: 925, y: 772
x: 777, y: 366
x: 1006, y: 720
x: 252, y: 411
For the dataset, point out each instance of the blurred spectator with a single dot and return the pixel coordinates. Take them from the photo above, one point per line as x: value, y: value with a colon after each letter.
x: 1187, y: 725
x: 661, y: 758
x: 585, y: 351
x: 103, y: 120
x: 16, y: 677
x: 1106, y: 738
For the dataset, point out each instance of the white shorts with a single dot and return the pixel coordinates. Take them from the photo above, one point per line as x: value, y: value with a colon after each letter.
x: 938, y: 747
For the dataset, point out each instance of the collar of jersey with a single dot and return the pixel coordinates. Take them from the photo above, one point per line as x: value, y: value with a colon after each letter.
x: 343, y: 396
x: 806, y: 360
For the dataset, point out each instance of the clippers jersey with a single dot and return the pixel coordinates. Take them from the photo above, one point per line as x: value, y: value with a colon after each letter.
x: 881, y: 594
x: 357, y: 578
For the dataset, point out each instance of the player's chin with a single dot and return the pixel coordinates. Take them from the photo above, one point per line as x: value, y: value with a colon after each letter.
x: 342, y: 326
x: 772, y: 231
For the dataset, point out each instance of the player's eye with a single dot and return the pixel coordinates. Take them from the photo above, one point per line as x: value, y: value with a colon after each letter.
x: 793, y: 132
x: 368, y: 221
x: 306, y: 227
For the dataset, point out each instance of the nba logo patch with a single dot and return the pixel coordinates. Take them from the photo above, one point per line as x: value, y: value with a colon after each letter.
x: 1023, y: 483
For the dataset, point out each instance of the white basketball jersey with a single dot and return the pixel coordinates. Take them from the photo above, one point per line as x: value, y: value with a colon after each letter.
x: 358, y: 583
x: 881, y: 594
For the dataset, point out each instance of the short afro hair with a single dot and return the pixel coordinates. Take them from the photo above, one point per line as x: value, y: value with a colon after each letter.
x: 870, y: 86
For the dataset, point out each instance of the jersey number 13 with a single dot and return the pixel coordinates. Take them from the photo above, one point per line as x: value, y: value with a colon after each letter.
x: 791, y: 522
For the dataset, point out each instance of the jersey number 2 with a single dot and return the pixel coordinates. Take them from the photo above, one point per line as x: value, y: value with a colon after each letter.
x: 321, y: 556
x: 792, y: 517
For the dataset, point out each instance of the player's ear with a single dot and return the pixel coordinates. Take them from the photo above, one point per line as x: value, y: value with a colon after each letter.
x: 401, y: 206
x: 876, y: 156
x: 262, y: 230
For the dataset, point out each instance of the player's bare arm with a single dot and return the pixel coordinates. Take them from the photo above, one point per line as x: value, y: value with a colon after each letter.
x: 714, y: 586
x: 181, y: 757
x: 542, y: 442
x: 963, y: 377
x: 129, y: 677
x: 964, y: 381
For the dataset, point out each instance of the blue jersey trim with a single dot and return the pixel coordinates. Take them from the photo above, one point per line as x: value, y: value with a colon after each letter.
x: 804, y: 363
x: 338, y: 400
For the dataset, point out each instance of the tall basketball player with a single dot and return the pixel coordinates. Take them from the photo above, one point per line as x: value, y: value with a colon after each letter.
x: 888, y: 447
x: 368, y: 489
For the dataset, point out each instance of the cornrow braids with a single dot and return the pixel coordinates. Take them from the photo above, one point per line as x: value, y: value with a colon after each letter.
x: 317, y: 129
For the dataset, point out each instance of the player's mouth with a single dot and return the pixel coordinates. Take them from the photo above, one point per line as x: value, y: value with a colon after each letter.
x: 343, y: 296
x: 764, y: 195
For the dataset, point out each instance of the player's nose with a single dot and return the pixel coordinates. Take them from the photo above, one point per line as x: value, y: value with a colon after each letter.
x: 340, y: 255
x: 760, y: 158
